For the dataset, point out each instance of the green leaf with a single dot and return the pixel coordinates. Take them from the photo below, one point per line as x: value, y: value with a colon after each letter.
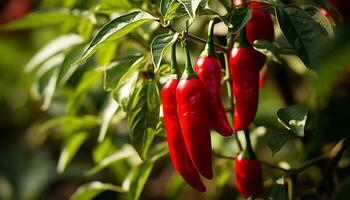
x: 103, y: 149
x: 69, y: 150
x: 302, y: 32
x: 87, y: 81
x: 115, y: 29
x: 40, y: 19
x: 116, y: 70
x: 160, y: 44
x: 108, y: 111
x: 268, y: 49
x: 136, y: 180
x: 293, y: 118
x: 54, y: 47
x: 278, y: 140
x: 106, y: 53
x: 237, y: 20
x: 46, y: 80
x: 191, y: 7
x: 67, y: 70
x: 127, y: 83
x: 126, y: 152
x: 160, y: 130
x: 325, y: 25
x: 110, y: 6
x: 90, y: 190
x: 143, y: 118
x: 175, y: 10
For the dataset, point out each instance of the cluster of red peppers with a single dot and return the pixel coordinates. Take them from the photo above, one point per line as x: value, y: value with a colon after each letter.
x: 192, y: 106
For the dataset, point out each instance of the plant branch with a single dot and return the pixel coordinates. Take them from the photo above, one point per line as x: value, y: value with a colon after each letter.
x: 200, y: 40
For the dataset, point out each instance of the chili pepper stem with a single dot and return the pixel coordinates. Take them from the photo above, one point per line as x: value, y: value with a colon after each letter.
x: 173, y: 65
x: 209, y: 49
x: 248, y: 152
x: 188, y: 73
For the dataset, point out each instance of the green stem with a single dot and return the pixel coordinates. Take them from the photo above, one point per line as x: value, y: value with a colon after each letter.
x: 248, y: 152
x: 209, y: 49
x: 173, y: 65
x: 243, y: 41
x: 292, y: 186
x: 188, y: 72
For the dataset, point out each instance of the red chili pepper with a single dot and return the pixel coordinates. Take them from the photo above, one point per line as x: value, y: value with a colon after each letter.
x: 177, y: 148
x: 208, y: 68
x: 193, y: 112
x: 14, y: 9
x: 260, y: 26
x: 244, y: 70
x: 248, y: 176
x: 248, y: 173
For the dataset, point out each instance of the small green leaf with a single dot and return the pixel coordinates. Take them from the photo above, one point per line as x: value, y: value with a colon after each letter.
x: 116, y: 70
x: 90, y: 190
x: 160, y: 45
x: 137, y: 179
x: 115, y: 29
x: 126, y: 152
x: 69, y: 150
x: 302, y: 32
x: 191, y: 7
x: 278, y: 140
x: 142, y: 121
x: 54, y: 47
x: 67, y: 70
x: 268, y: 49
x: 40, y: 19
x: 108, y: 111
x: 138, y: 176
x: 237, y: 20
x: 87, y: 81
x: 126, y: 84
x: 293, y: 118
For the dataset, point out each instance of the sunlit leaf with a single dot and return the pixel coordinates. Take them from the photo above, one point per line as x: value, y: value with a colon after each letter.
x: 268, y: 49
x: 293, y: 118
x: 87, y: 81
x: 69, y: 149
x: 108, y: 111
x: 142, y: 120
x: 116, y: 70
x: 117, y: 28
x: 126, y: 152
x: 57, y: 45
x: 90, y: 190
x: 159, y: 46
x: 191, y: 6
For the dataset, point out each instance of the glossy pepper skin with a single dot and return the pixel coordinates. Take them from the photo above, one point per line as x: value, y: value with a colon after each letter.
x: 177, y: 148
x: 248, y: 172
x: 260, y: 26
x: 208, y: 68
x: 248, y: 176
x: 193, y: 112
x: 244, y: 71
